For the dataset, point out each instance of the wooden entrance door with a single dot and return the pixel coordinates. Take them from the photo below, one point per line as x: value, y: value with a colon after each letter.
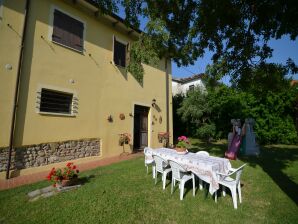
x: 140, y: 127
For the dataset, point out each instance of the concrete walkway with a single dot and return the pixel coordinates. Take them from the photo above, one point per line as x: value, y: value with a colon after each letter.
x: 87, y: 165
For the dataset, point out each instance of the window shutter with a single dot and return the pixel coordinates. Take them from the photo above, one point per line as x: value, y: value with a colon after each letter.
x: 114, y: 50
x: 68, y: 31
x: 127, y: 54
x: 119, y: 53
x: 76, y: 34
x: 57, y: 26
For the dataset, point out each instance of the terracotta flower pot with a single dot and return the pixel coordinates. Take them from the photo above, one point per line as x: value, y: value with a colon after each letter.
x: 65, y: 183
x: 180, y: 149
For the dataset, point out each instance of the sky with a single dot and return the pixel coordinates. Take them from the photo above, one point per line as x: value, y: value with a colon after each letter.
x: 283, y: 49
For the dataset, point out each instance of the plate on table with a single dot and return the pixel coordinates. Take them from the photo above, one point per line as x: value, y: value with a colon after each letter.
x: 182, y: 153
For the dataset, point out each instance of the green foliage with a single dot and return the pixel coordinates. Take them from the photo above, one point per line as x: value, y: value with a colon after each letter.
x: 236, y: 32
x: 264, y: 78
x: 269, y: 195
x: 274, y: 116
x: 206, y: 131
x: 180, y: 127
x: 142, y: 51
x: 272, y: 108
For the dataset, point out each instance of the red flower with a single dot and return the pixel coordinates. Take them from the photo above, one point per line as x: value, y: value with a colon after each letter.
x: 59, y: 174
x: 54, y: 185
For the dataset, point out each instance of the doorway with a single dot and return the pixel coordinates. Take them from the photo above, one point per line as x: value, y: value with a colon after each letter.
x: 140, y: 135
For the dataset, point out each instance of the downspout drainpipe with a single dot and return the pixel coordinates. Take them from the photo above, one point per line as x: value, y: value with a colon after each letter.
x: 17, y: 87
x: 167, y: 98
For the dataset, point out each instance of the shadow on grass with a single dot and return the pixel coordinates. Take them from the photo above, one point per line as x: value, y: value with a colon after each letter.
x: 84, y: 180
x: 273, y: 160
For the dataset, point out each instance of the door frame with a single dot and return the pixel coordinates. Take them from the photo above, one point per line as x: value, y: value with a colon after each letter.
x: 149, y: 121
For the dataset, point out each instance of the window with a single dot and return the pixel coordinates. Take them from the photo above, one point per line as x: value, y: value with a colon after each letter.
x: 191, y: 87
x: 120, y: 50
x: 56, y: 102
x: 68, y: 31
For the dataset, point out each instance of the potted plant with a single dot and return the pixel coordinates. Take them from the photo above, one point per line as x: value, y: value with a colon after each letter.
x: 124, y: 139
x: 163, y: 137
x: 64, y: 176
x: 183, y: 144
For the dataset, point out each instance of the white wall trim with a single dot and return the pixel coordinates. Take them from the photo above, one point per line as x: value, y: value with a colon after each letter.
x: 51, y: 25
x: 121, y: 40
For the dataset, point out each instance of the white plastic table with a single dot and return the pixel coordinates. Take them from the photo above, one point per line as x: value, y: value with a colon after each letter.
x: 206, y: 166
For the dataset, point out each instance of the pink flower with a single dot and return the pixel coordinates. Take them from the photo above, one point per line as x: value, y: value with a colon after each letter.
x: 182, y: 138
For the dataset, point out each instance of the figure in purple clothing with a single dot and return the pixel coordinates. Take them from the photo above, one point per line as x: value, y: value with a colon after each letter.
x: 234, y: 139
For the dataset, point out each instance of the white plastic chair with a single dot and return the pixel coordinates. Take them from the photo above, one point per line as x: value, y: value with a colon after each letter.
x: 161, y: 166
x: 202, y: 178
x: 202, y: 153
x: 233, y: 184
x: 148, y: 154
x: 181, y: 175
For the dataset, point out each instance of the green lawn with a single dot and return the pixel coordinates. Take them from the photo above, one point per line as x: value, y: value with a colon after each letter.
x: 124, y: 193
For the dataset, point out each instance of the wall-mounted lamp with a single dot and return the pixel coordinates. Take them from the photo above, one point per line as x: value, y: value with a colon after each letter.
x: 153, y: 102
x: 110, y: 118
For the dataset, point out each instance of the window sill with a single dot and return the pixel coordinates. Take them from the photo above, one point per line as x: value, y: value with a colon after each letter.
x: 73, y: 49
x: 119, y: 66
x: 57, y: 114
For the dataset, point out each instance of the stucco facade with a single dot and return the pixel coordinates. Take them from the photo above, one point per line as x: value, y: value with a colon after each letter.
x: 102, y: 89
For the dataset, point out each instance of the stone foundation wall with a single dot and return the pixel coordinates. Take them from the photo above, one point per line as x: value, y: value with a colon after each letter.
x: 47, y: 153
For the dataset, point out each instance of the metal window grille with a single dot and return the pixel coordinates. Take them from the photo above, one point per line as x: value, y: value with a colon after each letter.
x: 57, y: 102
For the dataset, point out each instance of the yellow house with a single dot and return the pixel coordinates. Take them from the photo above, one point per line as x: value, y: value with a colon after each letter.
x: 64, y: 90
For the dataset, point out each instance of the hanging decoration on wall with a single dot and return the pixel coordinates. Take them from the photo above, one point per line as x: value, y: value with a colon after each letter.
x: 122, y: 116
x: 110, y: 118
x: 160, y: 119
x: 163, y: 137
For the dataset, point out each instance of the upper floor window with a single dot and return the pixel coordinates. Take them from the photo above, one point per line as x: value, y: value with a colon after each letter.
x: 68, y: 31
x: 120, y: 53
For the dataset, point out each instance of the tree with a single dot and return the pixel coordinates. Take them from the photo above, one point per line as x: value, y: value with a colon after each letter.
x: 236, y: 31
x: 272, y: 103
x: 264, y: 78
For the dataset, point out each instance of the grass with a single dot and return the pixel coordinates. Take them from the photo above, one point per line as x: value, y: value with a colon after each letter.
x: 124, y: 193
